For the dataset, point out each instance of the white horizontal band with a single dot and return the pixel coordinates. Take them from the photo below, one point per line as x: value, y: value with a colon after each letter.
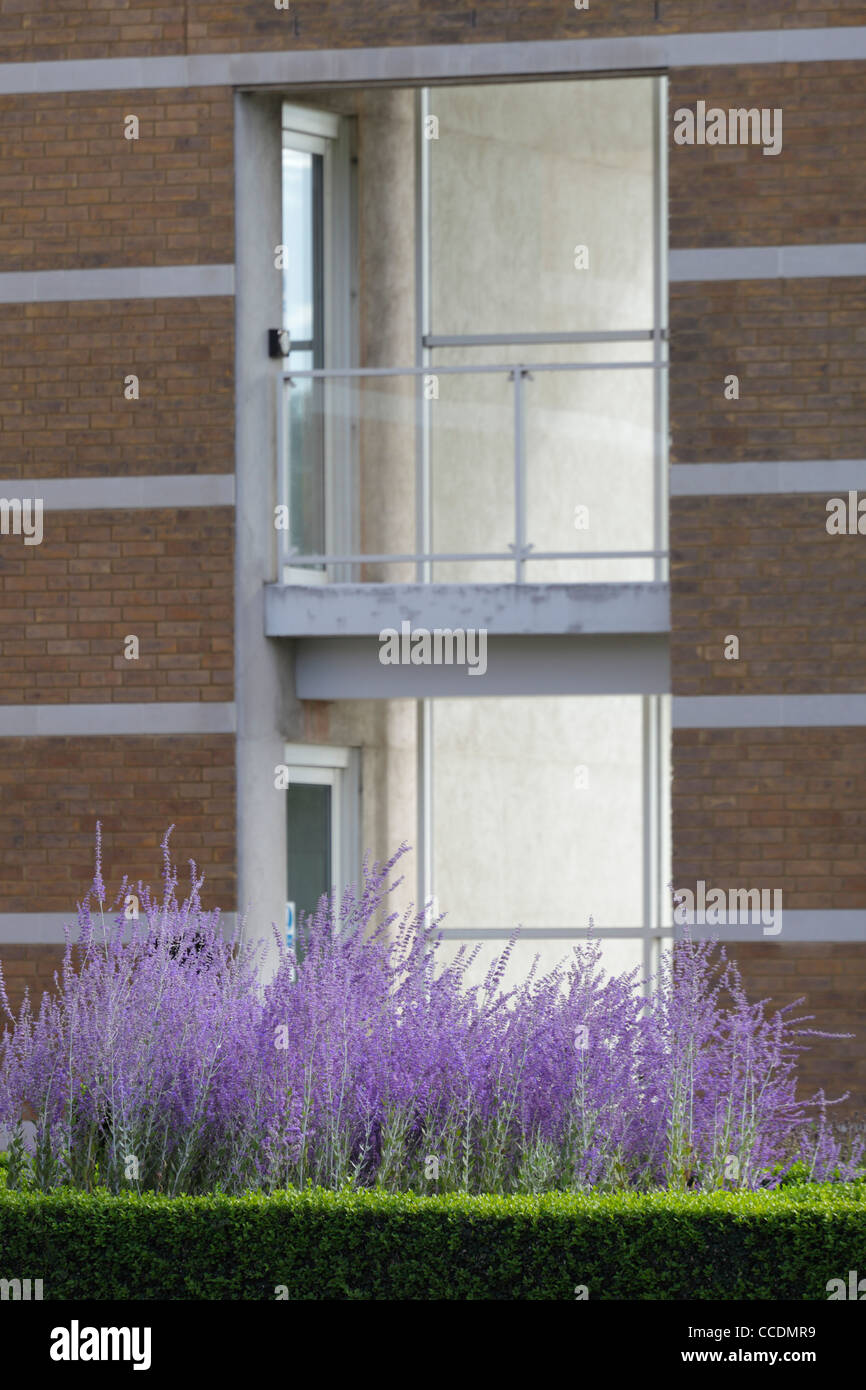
x: 94, y: 494
x: 116, y: 282
x: 101, y: 720
x: 46, y: 928
x: 798, y: 925
x: 768, y: 711
x: 767, y: 262
x: 430, y: 62
x: 635, y: 933
x: 742, y: 479
x: 203, y: 717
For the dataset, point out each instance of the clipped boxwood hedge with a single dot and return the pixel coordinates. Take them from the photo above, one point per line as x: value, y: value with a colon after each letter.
x: 368, y: 1245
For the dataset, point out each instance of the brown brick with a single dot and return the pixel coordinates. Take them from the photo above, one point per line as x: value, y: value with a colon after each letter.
x: 795, y: 604
x: 831, y: 976
x: 777, y: 821
x: 70, y: 361
x: 72, y: 644
x: 812, y: 192
x: 55, y: 790
x: 159, y: 224
x: 755, y: 330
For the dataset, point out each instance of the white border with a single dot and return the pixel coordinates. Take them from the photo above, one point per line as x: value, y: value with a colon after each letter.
x: 46, y: 928
x: 824, y: 476
x: 116, y: 282
x: 159, y: 717
x: 768, y: 711
x: 107, y: 494
x: 767, y: 262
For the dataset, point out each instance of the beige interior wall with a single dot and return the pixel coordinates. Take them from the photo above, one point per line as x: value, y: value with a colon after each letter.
x: 521, y: 838
x: 520, y: 176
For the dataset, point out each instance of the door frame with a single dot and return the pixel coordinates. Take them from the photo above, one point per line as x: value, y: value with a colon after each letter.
x: 324, y: 133
x: 339, y: 769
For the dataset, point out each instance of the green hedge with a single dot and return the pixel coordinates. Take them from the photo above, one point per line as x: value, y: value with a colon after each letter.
x: 368, y: 1245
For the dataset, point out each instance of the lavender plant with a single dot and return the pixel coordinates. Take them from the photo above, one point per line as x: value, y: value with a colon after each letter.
x: 162, y: 1062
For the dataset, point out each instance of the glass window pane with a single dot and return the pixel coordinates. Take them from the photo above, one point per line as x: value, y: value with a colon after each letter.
x: 299, y: 223
x: 306, y: 460
x: 302, y: 315
x: 472, y: 471
x: 308, y: 816
x: 385, y: 410
x: 590, y: 467
x: 589, y: 458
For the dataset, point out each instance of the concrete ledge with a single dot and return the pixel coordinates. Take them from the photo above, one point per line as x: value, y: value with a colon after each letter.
x: 636, y: 933
x: 46, y: 928
x: 767, y: 262
x: 348, y: 668
x: 827, y: 476
x: 797, y: 925
x: 431, y: 61
x: 513, y: 610
x: 768, y: 711
x: 154, y: 493
x: 99, y: 720
x: 116, y: 282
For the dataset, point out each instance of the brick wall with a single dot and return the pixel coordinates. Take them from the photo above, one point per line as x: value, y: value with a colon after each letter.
x: 27, y: 967
x: 785, y: 809
x: 67, y: 605
x: 813, y: 191
x: 53, y: 791
x: 75, y: 194
x: 775, y: 807
x: 832, y: 977
x: 798, y: 349
x: 765, y: 569
x: 88, y: 29
x: 772, y: 808
x: 63, y: 409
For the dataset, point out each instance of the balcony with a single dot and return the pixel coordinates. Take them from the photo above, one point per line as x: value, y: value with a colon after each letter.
x: 513, y: 468
x: 512, y: 462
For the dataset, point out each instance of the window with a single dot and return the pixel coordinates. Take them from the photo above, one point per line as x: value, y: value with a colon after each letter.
x: 315, y: 448
x: 321, y: 828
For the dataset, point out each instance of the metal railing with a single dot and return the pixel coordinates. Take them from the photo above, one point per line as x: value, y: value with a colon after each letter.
x: 423, y: 557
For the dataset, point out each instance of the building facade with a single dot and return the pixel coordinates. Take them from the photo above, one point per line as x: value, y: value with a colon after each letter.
x: 438, y: 416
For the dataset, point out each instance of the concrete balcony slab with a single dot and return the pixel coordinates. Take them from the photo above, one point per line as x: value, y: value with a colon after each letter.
x: 500, y: 610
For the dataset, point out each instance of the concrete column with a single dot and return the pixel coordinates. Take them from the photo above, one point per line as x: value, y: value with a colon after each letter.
x: 263, y: 668
x: 386, y: 203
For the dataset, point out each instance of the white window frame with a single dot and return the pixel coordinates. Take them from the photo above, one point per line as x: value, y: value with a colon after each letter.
x: 337, y: 768
x: 323, y: 133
